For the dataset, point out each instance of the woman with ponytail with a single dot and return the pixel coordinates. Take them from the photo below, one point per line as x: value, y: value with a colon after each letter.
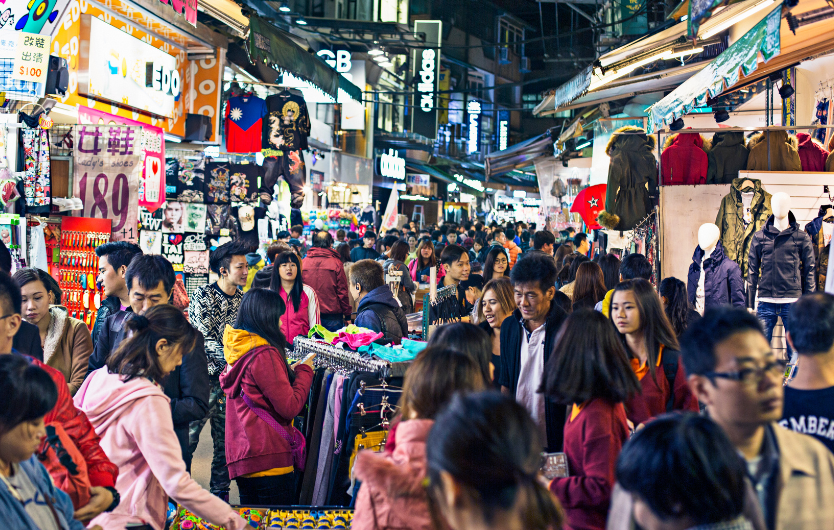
x: 126, y: 405
x: 589, y: 371
x: 483, y: 457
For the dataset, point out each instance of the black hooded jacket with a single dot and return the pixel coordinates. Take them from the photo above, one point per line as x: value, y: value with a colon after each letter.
x: 723, y: 284
x: 781, y: 264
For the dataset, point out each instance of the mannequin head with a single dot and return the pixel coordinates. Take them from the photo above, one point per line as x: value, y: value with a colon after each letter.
x: 781, y: 205
x: 708, y: 236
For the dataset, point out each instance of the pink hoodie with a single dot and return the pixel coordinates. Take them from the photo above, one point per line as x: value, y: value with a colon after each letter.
x: 134, y: 422
x: 392, y: 495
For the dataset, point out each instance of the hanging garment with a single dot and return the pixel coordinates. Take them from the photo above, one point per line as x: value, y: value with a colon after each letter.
x: 184, y: 179
x: 726, y: 158
x: 781, y: 263
x: 821, y: 254
x: 723, y: 284
x: 632, y: 178
x: 243, y: 183
x: 37, y: 248
x: 812, y: 154
x: 736, y: 231
x: 684, y: 159
x: 287, y: 124
x: 822, y: 117
x: 244, y: 120
x: 218, y: 180
x: 37, y: 178
x: 773, y: 151
x: 289, y: 166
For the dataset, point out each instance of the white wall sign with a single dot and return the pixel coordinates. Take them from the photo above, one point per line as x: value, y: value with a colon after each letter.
x: 338, y: 60
x: 474, y: 110
x: 426, y: 85
x: 503, y: 131
x: 391, y: 165
x: 353, y: 112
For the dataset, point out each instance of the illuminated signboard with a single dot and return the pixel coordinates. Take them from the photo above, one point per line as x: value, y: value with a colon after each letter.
x: 426, y: 69
x: 503, y: 129
x: 472, y: 183
x: 339, y: 60
x: 391, y: 165
x: 474, y: 110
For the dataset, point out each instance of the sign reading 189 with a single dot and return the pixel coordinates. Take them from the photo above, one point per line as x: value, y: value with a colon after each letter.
x: 34, y: 72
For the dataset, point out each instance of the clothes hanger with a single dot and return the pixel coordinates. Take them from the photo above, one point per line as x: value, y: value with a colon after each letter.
x: 747, y: 184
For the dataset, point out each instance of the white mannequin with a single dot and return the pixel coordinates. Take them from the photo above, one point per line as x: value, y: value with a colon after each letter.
x: 708, y: 236
x: 780, y: 203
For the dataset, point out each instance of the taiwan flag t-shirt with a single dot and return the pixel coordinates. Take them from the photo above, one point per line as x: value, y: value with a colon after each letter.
x: 244, y: 118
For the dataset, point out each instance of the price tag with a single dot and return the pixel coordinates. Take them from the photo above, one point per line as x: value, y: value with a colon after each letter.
x: 31, y: 61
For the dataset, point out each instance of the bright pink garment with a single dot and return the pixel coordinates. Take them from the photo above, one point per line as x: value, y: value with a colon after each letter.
x: 357, y: 339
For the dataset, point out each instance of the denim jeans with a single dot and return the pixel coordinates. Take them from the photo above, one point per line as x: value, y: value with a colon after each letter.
x: 219, y: 483
x: 768, y: 313
x: 333, y: 322
x: 267, y: 491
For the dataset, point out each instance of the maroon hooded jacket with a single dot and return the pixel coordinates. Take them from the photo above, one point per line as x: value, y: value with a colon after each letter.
x: 811, y: 153
x: 683, y: 160
x: 258, y: 371
x: 324, y: 272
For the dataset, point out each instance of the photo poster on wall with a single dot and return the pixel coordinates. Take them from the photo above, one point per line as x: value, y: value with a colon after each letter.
x: 195, y: 218
x: 172, y: 250
x: 196, y: 262
x: 194, y: 282
x: 150, y: 241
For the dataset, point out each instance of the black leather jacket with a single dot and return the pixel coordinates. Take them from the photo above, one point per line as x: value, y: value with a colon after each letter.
x: 781, y: 264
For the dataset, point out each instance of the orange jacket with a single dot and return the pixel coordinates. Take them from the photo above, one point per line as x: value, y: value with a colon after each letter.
x: 514, y: 251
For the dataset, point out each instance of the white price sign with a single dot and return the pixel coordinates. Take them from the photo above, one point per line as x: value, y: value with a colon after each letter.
x: 31, y: 60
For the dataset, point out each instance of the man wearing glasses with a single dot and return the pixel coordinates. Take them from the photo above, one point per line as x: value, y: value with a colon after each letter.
x: 732, y: 369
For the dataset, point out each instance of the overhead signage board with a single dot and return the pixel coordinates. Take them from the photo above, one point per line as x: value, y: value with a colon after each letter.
x: 474, y: 111
x: 503, y: 129
x: 426, y: 69
x: 125, y: 70
x: 391, y: 165
x: 338, y: 60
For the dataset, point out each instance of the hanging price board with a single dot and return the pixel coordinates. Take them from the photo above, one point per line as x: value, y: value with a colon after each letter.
x: 31, y: 60
x: 108, y: 162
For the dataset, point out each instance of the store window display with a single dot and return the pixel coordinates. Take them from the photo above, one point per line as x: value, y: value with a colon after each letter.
x: 632, y: 178
x: 684, y: 159
x: 773, y: 151
x: 780, y: 265
x: 714, y: 280
x: 743, y: 212
x: 727, y: 156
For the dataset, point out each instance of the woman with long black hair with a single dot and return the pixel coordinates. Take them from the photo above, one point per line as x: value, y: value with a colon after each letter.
x: 497, y: 264
x: 302, y: 306
x: 259, y: 457
x: 652, y: 347
x: 676, y: 305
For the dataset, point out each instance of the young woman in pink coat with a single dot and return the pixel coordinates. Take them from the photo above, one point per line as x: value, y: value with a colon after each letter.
x: 132, y: 415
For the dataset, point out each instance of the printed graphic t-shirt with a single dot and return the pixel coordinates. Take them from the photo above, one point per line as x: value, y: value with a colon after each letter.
x: 810, y: 412
x: 244, y: 121
x: 287, y: 124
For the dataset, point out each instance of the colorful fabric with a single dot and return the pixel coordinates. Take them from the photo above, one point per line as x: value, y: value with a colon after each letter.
x: 395, y: 355
x: 331, y: 336
x: 358, y: 340
x: 244, y: 122
x: 36, y: 182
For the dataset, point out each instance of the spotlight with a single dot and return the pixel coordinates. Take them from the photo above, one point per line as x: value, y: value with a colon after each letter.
x: 786, y: 91
x: 677, y: 125
x: 300, y: 21
x: 380, y: 58
x: 721, y: 115
x: 284, y: 8
x: 376, y: 50
x: 385, y: 64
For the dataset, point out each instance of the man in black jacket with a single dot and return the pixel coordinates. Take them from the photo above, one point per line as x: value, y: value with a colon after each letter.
x: 113, y: 259
x: 527, y: 338
x: 27, y: 340
x: 367, y: 250
x: 151, y: 280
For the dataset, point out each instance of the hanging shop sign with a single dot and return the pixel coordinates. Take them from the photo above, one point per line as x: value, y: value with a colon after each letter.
x: 31, y: 58
x: 35, y: 16
x: 108, y: 162
x: 391, y: 165
x: 353, y: 112
x: 12, y: 85
x: 152, y: 187
x: 338, y: 60
x: 426, y: 68
x: 474, y: 110
x: 126, y: 70
x: 503, y: 129
x: 186, y: 8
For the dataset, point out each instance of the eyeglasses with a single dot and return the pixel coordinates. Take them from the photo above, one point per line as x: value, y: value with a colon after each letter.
x: 502, y: 261
x: 751, y: 376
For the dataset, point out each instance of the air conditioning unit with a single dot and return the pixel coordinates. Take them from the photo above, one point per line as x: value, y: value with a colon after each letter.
x: 525, y: 65
x: 504, y: 55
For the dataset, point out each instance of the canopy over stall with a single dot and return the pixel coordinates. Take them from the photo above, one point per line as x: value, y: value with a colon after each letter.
x: 520, y: 155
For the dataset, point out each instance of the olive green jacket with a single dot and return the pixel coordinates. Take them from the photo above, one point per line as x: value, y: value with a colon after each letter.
x: 735, y: 237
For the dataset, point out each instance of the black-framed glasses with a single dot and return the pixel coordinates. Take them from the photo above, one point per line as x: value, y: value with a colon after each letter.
x: 751, y: 376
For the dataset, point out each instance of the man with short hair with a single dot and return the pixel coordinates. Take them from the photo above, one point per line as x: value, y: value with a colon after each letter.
x: 732, y: 369
x: 384, y: 246
x: 113, y: 259
x: 340, y: 235
x: 544, y: 241
x: 452, y: 238
x: 514, y: 250
x: 377, y: 309
x: 150, y: 281
x: 809, y: 396
x: 324, y: 272
x: 212, y: 308
x: 581, y: 243
x: 457, y: 271
x: 527, y: 339
x: 283, y: 236
x: 367, y: 250
x: 632, y: 267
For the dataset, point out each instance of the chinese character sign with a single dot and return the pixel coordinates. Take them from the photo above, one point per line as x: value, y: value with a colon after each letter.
x: 31, y: 61
x: 108, y: 164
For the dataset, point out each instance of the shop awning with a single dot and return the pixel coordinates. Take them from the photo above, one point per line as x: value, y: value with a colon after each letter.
x: 466, y: 181
x: 270, y: 46
x: 518, y: 156
x: 566, y: 93
x: 721, y: 72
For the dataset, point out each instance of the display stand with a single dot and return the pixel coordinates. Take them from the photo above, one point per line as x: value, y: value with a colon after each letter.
x: 338, y: 359
x: 443, y: 309
x: 80, y: 236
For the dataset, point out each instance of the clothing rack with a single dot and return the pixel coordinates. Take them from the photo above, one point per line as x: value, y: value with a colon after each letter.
x: 444, y: 308
x: 646, y: 230
x: 338, y: 359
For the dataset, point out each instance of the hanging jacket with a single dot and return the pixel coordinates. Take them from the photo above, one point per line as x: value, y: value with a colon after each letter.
x: 723, y: 284
x: 773, y: 151
x: 726, y: 158
x: 134, y: 421
x: 392, y: 496
x: 298, y: 322
x: 325, y: 273
x: 781, y: 264
x: 632, y: 178
x: 735, y: 237
x: 13, y: 513
x: 821, y: 254
x: 812, y: 154
x: 255, y: 368
x: 381, y: 312
x: 684, y: 159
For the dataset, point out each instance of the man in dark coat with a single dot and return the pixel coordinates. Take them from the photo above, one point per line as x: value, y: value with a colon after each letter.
x: 378, y: 309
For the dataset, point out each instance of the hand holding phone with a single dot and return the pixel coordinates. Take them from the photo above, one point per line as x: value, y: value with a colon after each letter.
x: 307, y: 360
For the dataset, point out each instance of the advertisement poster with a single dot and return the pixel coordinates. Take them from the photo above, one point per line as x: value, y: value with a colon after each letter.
x: 108, y: 161
x: 152, y: 187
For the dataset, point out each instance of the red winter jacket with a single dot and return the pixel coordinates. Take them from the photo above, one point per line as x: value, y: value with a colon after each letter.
x: 256, y: 369
x: 811, y: 153
x: 101, y: 471
x: 652, y: 400
x: 299, y: 322
x: 325, y: 273
x: 683, y: 160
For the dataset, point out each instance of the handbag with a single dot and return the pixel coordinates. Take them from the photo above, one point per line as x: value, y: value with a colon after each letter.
x: 66, y: 465
x: 298, y: 445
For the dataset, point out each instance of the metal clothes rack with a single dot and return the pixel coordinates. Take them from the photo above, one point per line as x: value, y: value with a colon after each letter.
x: 647, y: 230
x: 440, y: 310
x: 338, y: 359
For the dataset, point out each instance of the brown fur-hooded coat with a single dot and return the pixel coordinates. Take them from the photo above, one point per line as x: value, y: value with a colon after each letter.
x: 632, y: 178
x: 784, y: 152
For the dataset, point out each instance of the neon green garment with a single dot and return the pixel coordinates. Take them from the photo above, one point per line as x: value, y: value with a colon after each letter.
x: 330, y: 336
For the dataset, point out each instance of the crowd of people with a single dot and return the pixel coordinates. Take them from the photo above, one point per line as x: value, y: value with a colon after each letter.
x: 667, y: 419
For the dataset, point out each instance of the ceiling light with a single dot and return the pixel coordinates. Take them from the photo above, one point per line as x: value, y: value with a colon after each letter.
x: 597, y: 82
x: 684, y: 53
x: 385, y: 64
x: 300, y: 21
x: 380, y: 58
x: 376, y: 50
x: 284, y: 8
x: 721, y: 25
x: 721, y: 115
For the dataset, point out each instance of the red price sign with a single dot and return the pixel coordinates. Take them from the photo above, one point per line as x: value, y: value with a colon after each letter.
x: 28, y: 71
